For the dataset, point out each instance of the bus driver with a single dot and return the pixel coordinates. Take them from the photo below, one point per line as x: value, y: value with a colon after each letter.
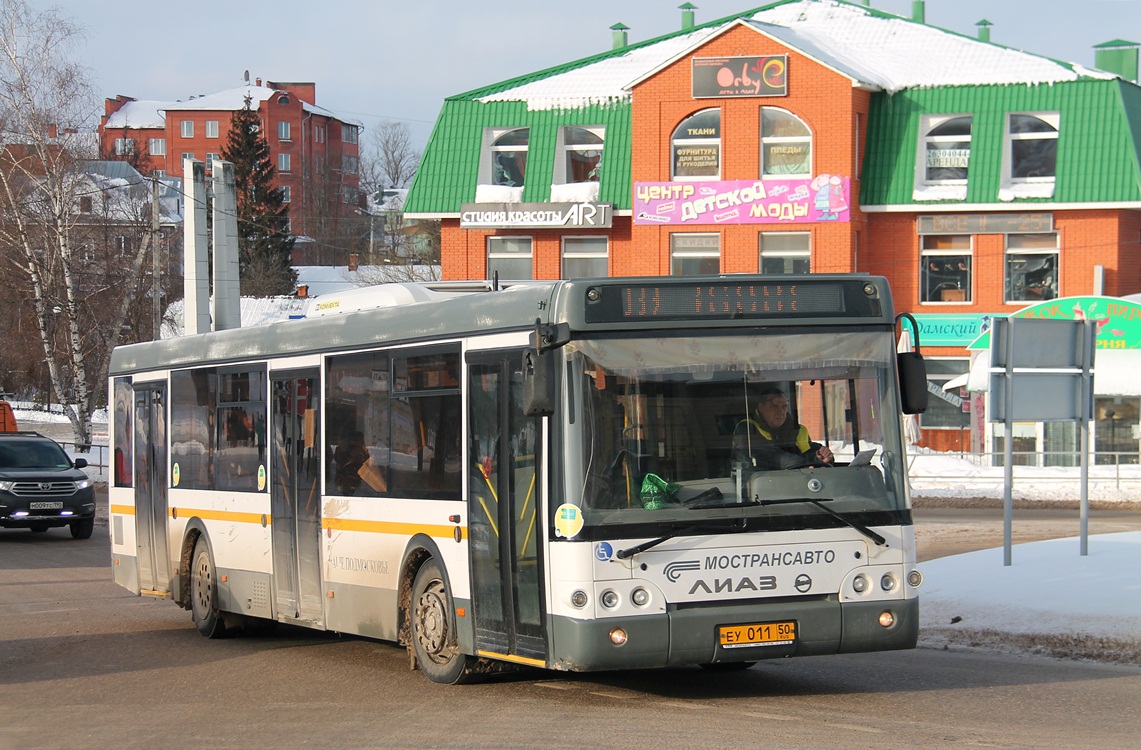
x: 772, y: 440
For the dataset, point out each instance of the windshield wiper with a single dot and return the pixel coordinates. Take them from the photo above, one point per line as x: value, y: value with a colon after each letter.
x: 819, y: 503
x: 622, y: 554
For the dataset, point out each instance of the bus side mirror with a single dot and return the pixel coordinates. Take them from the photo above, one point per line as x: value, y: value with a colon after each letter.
x: 538, y: 383
x: 912, y: 382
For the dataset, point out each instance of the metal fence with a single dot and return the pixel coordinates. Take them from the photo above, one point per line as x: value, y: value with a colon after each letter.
x: 1119, y: 470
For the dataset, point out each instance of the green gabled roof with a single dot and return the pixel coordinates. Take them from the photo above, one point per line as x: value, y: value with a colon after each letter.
x: 1100, y: 129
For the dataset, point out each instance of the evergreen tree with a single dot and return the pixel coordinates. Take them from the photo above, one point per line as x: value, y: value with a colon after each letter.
x: 265, y: 244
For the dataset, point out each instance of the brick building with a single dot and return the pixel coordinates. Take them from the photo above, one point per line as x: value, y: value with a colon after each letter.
x: 810, y: 136
x: 315, y: 153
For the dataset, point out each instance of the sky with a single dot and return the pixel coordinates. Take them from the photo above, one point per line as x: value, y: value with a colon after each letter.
x: 380, y: 60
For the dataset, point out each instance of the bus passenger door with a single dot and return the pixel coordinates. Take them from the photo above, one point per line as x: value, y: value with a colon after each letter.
x: 295, y: 499
x: 503, y: 511
x: 150, y: 488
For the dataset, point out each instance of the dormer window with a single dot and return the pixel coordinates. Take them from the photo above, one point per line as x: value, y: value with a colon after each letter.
x: 509, y: 157
x: 944, y: 157
x: 582, y: 154
x: 1030, y: 155
x: 695, y: 147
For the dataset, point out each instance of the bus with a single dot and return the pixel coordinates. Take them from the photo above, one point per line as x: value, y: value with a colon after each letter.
x: 542, y: 474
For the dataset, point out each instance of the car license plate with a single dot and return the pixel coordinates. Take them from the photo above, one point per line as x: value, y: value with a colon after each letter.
x: 45, y: 506
x: 757, y: 634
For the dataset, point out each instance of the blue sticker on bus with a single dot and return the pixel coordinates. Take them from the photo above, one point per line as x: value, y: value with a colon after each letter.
x: 603, y: 551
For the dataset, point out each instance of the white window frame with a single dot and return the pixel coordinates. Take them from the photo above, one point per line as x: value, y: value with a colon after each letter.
x: 156, y: 146
x: 783, y: 253
x: 286, y: 194
x: 186, y: 128
x: 350, y: 133
x: 494, y: 145
x: 350, y: 164
x: 586, y: 250
x: 516, y: 255
x: 187, y: 155
x: 790, y: 140
x: 929, y: 139
x: 124, y: 146
x: 700, y: 253
x: 1054, y: 271
x: 211, y: 128
x: 677, y: 141
x: 283, y: 130
x: 1054, y: 120
x: 283, y: 163
x: 562, y: 174
x: 927, y: 256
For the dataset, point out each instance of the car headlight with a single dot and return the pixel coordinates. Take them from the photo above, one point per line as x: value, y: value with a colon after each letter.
x: 83, y: 484
x: 6, y: 486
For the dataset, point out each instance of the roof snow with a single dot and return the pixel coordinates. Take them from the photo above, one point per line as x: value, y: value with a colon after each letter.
x: 139, y: 114
x: 151, y: 114
x: 872, y: 48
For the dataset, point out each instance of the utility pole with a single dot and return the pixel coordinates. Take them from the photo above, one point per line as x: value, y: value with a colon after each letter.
x: 156, y: 288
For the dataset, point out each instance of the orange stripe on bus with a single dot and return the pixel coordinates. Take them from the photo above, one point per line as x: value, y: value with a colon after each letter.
x: 389, y: 527
x: 123, y: 510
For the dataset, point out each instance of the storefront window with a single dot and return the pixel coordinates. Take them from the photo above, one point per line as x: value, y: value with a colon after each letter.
x: 1031, y: 267
x: 786, y: 144
x: 585, y: 257
x: 695, y: 147
x: 945, y: 268
x: 510, y: 257
x: 695, y: 254
x: 785, y: 252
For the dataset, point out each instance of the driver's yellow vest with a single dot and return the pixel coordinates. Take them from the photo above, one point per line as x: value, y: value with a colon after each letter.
x: 803, y: 442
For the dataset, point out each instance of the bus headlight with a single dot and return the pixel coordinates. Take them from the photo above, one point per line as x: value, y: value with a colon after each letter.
x: 579, y: 599
x: 887, y: 582
x: 640, y: 597
x: 618, y: 636
x: 610, y: 599
x: 887, y: 619
x: 860, y: 583
x: 915, y: 578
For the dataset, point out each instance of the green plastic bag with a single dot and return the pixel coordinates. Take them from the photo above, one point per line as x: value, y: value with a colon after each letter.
x: 656, y: 492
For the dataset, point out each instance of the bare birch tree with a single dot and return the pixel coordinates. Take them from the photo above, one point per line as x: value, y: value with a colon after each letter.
x: 46, y: 137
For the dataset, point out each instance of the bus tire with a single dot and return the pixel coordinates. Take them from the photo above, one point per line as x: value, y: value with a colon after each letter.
x: 434, y: 627
x: 204, y: 592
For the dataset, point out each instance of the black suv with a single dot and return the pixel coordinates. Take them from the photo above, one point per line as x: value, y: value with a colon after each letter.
x: 40, y: 487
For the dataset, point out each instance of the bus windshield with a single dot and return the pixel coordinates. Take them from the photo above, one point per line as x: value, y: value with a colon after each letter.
x: 678, y: 429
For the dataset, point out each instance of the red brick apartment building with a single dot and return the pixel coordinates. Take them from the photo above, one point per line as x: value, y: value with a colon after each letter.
x: 315, y: 152
x: 811, y: 136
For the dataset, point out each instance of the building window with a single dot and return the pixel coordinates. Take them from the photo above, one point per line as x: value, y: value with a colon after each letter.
x: 509, y: 157
x: 945, y: 409
x: 187, y: 155
x: 283, y: 162
x: 157, y: 146
x: 1031, y: 267
x: 694, y: 254
x: 510, y: 257
x: 283, y: 130
x: 211, y: 128
x: 187, y: 128
x: 945, y: 271
x: 786, y: 144
x: 158, y: 173
x: 1033, y: 146
x: 211, y: 158
x: 695, y: 147
x: 581, y: 154
x: 124, y: 146
x: 318, y: 134
x: 85, y: 204
x: 785, y: 252
x: 350, y: 133
x: 585, y: 257
x: 285, y: 194
x: 350, y: 164
x: 946, y: 149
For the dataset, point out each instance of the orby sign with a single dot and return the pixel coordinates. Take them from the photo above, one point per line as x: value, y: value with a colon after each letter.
x: 779, y: 201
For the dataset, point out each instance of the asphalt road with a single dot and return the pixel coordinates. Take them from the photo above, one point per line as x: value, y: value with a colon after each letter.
x: 83, y: 663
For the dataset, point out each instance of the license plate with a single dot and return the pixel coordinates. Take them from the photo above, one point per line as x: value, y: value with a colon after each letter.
x: 757, y: 634
x: 45, y: 506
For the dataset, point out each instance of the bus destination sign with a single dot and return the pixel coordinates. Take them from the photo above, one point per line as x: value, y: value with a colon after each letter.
x: 727, y: 300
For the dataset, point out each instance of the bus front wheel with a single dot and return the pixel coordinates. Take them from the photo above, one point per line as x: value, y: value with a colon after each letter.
x: 434, y: 627
x: 204, y: 592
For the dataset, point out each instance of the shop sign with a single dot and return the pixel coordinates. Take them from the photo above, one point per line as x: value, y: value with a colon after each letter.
x: 1117, y: 322
x: 950, y: 330
x: 789, y: 201
x: 717, y: 77
x: 536, y: 215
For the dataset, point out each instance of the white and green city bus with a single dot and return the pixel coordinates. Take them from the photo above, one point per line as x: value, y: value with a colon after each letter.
x: 548, y: 475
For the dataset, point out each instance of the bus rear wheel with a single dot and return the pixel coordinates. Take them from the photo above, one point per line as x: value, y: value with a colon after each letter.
x: 434, y: 628
x: 204, y: 592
